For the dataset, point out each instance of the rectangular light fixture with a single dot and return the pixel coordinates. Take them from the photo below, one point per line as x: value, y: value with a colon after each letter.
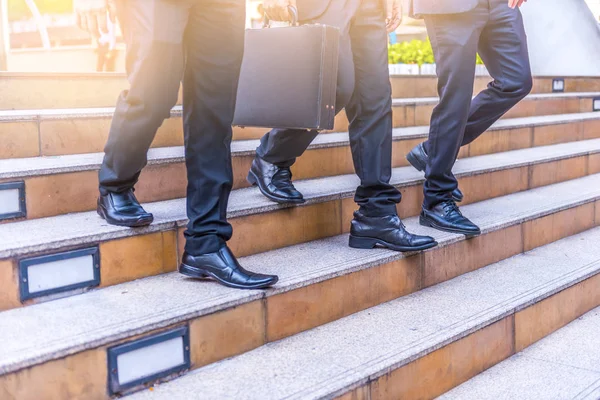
x: 12, y: 200
x: 146, y: 360
x: 558, y: 85
x: 596, y: 104
x: 59, y: 272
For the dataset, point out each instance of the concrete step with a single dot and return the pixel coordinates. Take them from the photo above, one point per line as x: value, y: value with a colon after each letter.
x: 418, y: 346
x: 63, y: 184
x: 121, y: 254
x: 440, y: 335
x: 564, y: 365
x: 52, y: 132
x: 66, y: 90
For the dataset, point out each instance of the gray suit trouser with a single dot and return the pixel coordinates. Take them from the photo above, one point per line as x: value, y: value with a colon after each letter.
x: 364, y: 90
x: 201, y: 42
x: 497, y: 33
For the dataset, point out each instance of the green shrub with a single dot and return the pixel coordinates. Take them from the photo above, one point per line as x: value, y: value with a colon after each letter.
x: 414, y: 52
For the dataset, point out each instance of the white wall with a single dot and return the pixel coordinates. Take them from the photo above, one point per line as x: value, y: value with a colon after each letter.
x: 563, y: 37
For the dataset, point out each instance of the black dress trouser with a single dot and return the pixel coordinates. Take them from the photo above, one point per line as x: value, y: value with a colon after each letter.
x: 364, y: 90
x: 201, y: 42
x: 497, y: 32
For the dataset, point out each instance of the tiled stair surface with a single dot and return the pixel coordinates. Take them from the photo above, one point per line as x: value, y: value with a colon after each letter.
x: 66, y: 184
x: 82, y: 326
x: 482, y: 178
x: 52, y: 132
x: 341, y: 323
x: 64, y: 90
x: 564, y: 365
x: 471, y: 322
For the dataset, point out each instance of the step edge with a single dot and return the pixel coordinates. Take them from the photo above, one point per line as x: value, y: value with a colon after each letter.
x: 181, y: 220
x: 194, y: 312
x: 92, y: 161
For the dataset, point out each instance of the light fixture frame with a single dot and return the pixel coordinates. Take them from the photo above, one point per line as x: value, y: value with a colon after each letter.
x: 20, y: 185
x: 25, y: 263
x: 555, y: 81
x: 113, y: 353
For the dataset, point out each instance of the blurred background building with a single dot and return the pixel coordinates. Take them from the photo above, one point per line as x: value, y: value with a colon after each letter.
x: 53, y: 42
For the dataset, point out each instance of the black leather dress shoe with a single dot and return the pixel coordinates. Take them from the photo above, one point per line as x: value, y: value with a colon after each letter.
x: 418, y: 159
x: 224, y: 268
x: 123, y: 209
x: 389, y: 231
x: 447, y: 217
x: 274, y: 182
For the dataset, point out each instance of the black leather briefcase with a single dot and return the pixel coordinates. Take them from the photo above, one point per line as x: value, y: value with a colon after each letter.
x: 289, y: 78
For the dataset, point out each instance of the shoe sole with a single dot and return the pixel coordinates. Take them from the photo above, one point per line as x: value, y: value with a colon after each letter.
x: 139, y: 223
x: 197, y: 273
x: 254, y: 181
x: 419, y: 166
x: 430, y: 224
x: 370, y: 243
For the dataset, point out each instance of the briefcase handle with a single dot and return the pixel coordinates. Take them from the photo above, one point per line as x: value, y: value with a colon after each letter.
x: 293, y: 12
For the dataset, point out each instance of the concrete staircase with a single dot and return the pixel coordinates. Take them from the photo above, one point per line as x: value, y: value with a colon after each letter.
x: 91, y: 311
x: 564, y: 365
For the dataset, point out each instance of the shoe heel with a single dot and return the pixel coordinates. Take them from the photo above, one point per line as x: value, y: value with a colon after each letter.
x: 362, y: 243
x: 252, y: 179
x: 191, y: 272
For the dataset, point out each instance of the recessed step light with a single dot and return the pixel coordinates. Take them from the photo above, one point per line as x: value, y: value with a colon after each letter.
x: 596, y: 104
x: 59, y: 272
x: 558, y: 85
x: 145, y: 360
x: 12, y: 200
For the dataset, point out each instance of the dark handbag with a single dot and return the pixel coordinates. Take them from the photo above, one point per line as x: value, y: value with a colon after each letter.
x: 289, y: 77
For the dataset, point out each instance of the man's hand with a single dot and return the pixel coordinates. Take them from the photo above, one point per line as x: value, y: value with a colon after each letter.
x: 516, y: 3
x: 91, y: 15
x: 394, y: 15
x: 278, y: 10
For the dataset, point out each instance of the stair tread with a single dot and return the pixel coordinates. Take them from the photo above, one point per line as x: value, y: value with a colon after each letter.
x: 105, y: 112
x: 23, y: 237
x: 55, y: 329
x: 46, y: 165
x: 564, y: 365
x: 329, y: 360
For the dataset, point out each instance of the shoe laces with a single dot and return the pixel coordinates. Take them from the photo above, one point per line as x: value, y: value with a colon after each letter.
x: 450, y: 207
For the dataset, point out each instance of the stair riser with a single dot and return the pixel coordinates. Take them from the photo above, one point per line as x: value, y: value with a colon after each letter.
x: 86, y: 90
x: 52, y: 137
x: 457, y: 362
x: 258, y: 322
x: 130, y: 258
x: 58, y: 194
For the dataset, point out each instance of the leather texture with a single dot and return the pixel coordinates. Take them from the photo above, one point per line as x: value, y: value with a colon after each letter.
x: 274, y: 182
x: 224, y: 267
x: 123, y: 209
x: 446, y: 216
x: 289, y: 86
x: 419, y: 8
x: 417, y: 157
x: 364, y: 91
x: 387, y: 231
